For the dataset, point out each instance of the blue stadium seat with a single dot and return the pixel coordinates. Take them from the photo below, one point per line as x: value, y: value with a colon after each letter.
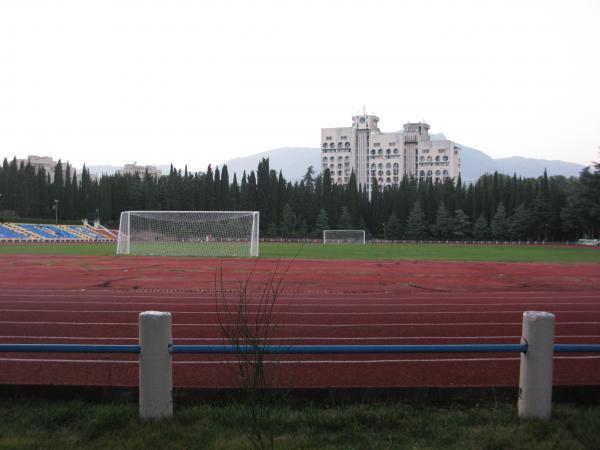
x: 7, y: 233
x: 48, y: 231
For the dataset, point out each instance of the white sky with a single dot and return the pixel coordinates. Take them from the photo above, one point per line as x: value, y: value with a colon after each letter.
x: 110, y: 82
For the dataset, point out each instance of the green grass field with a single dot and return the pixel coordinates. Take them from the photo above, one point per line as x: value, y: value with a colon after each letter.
x: 455, y: 252
x: 74, y: 424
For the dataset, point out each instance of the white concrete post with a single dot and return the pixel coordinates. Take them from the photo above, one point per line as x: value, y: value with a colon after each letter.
x: 156, y: 375
x: 535, y: 381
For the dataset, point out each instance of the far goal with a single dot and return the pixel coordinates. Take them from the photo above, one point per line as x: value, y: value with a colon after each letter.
x: 188, y: 233
x: 343, y: 236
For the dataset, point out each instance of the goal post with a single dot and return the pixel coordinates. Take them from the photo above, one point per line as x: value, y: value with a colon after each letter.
x: 343, y: 236
x: 189, y: 233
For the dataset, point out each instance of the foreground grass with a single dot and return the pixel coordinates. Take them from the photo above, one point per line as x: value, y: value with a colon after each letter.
x: 76, y: 424
x: 452, y: 252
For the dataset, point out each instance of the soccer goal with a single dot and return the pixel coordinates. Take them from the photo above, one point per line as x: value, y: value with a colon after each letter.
x: 343, y: 236
x: 188, y: 233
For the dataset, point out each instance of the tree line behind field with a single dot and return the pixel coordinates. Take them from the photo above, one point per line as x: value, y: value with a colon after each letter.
x: 497, y: 206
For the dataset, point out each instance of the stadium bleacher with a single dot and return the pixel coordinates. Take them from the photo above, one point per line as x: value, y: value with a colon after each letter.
x: 27, y: 232
x: 8, y: 233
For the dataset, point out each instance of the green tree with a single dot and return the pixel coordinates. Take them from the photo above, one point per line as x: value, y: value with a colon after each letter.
x: 443, y: 227
x: 393, y: 227
x: 461, y: 225
x: 520, y: 223
x: 416, y: 225
x: 287, y: 221
x: 322, y: 222
x: 499, y: 223
x: 481, y: 230
x: 345, y: 220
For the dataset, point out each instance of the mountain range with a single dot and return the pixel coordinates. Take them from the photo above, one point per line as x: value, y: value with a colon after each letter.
x: 294, y: 161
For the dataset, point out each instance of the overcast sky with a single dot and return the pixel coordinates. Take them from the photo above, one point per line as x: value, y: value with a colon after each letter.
x: 110, y: 82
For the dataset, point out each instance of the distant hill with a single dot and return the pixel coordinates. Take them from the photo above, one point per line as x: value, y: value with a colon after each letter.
x: 294, y: 161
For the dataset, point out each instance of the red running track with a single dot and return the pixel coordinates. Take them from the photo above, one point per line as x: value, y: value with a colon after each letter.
x: 56, y: 299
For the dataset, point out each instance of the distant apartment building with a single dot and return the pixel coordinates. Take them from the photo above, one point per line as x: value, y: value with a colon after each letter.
x: 42, y: 162
x: 134, y: 169
x: 387, y: 157
x: 49, y: 165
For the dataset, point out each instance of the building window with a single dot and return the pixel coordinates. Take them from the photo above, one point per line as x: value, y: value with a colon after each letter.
x: 388, y: 165
x: 380, y: 166
x: 328, y: 138
x: 422, y: 173
x: 343, y: 138
x: 438, y: 173
x: 324, y: 144
x: 332, y: 145
x: 395, y: 151
x: 325, y: 159
x: 377, y: 144
x: 340, y: 144
x: 388, y: 172
x: 388, y: 180
x: 429, y: 159
x: 437, y: 158
x: 380, y: 151
x: 340, y: 158
x: 380, y: 172
x: 372, y: 166
x: 372, y: 152
x: 388, y: 151
x: 445, y: 173
x: 347, y: 144
x: 429, y: 173
x: 331, y: 158
x: 422, y: 158
x: 445, y: 158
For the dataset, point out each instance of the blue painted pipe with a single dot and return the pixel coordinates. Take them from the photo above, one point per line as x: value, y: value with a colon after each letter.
x: 69, y: 348
x: 576, y: 348
x: 298, y: 349
x: 316, y: 349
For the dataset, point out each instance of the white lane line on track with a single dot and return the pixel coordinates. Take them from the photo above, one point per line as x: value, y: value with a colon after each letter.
x: 288, y: 313
x: 292, y: 362
x: 302, y: 296
x: 409, y: 324
x: 307, y: 305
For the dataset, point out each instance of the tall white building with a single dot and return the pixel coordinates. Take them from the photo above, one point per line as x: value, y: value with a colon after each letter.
x: 386, y: 156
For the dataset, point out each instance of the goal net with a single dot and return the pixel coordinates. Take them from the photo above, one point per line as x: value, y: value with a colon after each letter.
x: 343, y: 236
x: 188, y: 233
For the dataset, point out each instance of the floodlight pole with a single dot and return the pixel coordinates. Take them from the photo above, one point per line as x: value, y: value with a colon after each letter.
x: 56, y: 211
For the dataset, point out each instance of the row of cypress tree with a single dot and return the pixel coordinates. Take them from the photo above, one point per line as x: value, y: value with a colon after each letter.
x: 496, y: 206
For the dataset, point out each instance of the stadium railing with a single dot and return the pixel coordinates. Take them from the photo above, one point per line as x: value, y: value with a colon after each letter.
x: 155, y: 352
